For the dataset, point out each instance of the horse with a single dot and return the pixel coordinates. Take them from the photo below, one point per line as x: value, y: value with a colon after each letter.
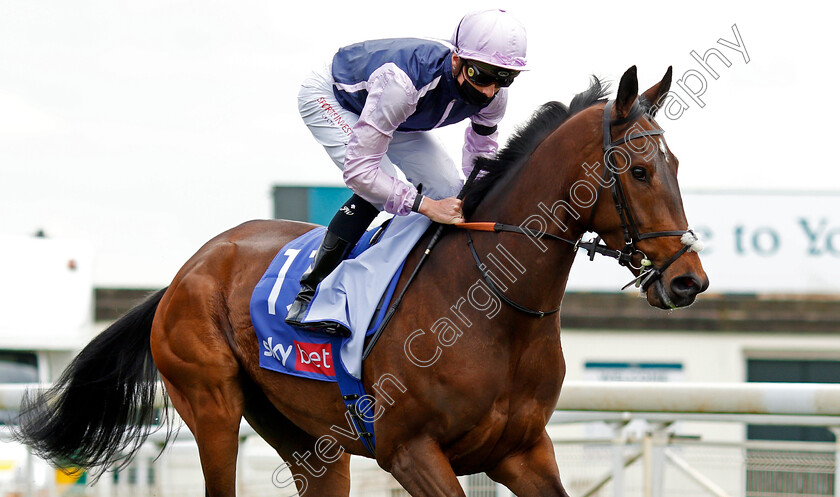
x: 470, y: 368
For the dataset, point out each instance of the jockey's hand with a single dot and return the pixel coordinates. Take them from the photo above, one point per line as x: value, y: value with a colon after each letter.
x: 444, y: 211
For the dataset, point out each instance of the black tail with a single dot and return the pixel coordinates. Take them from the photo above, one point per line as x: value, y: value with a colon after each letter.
x: 101, y: 410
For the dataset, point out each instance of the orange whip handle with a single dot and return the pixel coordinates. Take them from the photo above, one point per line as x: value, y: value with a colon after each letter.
x: 477, y: 226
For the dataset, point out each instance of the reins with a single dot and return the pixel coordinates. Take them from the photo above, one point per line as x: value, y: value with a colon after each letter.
x: 510, y: 228
x: 482, y: 268
x: 432, y: 242
x: 592, y: 247
x: 648, y: 273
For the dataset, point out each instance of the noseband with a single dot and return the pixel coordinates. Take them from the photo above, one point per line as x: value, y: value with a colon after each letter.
x: 648, y: 273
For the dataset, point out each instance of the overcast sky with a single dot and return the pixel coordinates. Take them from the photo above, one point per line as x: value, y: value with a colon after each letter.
x: 147, y: 127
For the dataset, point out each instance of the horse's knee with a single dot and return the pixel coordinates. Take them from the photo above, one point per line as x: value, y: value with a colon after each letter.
x: 531, y: 473
x: 423, y: 470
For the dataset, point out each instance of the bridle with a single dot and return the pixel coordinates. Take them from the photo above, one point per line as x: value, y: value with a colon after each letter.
x: 648, y: 272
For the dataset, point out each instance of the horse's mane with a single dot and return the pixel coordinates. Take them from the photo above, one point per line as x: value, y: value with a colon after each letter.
x: 526, y: 138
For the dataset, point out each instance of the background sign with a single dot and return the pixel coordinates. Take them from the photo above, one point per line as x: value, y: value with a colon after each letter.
x: 633, y: 371
x: 755, y: 243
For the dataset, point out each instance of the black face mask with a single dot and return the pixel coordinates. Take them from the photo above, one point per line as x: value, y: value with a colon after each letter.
x: 471, y: 95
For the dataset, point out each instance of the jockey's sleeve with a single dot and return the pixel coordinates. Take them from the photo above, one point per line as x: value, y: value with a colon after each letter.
x: 391, y: 99
x: 481, y: 137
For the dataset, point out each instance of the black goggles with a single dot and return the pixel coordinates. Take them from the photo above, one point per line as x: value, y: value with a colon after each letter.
x: 485, y: 75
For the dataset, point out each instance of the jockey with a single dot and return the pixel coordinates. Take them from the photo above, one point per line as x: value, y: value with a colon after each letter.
x: 368, y: 108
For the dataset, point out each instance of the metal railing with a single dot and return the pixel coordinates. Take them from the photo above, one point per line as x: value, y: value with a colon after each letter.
x: 612, y: 439
x: 660, y: 446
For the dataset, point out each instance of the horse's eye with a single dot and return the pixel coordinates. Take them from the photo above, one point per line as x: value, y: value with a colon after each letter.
x: 639, y: 173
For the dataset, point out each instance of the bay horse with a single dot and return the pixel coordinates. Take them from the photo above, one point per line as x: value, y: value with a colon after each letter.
x: 469, y: 371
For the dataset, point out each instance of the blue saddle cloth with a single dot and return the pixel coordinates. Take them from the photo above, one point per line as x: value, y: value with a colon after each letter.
x: 348, y: 295
x: 290, y: 350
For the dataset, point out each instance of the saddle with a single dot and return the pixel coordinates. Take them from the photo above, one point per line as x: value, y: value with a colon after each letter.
x: 356, y: 295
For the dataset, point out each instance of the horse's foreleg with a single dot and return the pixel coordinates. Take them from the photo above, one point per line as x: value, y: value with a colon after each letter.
x: 424, y: 471
x: 532, y: 473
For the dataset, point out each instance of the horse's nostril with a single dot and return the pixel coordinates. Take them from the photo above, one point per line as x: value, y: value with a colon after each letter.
x: 686, y: 286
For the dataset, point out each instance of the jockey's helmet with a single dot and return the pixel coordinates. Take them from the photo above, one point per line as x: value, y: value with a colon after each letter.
x: 491, y: 36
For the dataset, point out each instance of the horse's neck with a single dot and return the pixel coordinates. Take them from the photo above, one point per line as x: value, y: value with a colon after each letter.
x: 538, y: 194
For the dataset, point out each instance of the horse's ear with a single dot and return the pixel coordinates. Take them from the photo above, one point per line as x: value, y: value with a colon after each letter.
x: 657, y: 91
x: 628, y: 91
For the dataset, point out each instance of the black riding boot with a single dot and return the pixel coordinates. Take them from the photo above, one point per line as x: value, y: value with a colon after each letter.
x: 332, y: 251
x: 344, y: 231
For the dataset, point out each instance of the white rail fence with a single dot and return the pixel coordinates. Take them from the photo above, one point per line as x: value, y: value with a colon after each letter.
x: 612, y: 439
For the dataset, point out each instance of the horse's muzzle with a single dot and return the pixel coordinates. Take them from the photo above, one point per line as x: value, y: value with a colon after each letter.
x: 680, y: 291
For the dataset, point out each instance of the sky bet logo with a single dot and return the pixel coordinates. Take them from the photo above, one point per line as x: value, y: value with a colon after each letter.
x: 314, y: 358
